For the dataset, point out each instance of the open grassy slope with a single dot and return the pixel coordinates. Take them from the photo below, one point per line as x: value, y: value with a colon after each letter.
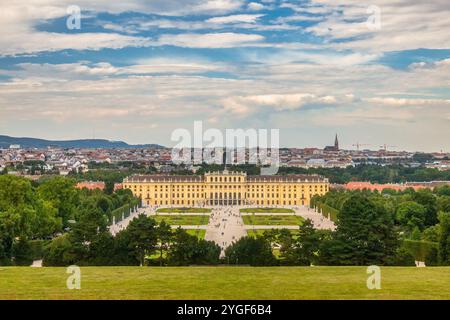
x: 221, y: 283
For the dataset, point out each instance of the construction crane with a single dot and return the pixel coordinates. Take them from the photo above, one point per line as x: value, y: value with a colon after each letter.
x: 385, y: 147
x: 357, y: 145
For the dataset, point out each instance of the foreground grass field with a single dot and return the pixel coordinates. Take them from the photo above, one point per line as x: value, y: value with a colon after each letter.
x: 180, y: 220
x: 222, y: 282
x: 273, y: 220
x: 183, y: 210
x: 267, y: 210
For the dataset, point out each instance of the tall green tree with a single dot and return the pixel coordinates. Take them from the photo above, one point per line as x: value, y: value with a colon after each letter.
x: 23, y: 215
x: 165, y: 237
x: 365, y: 235
x: 426, y: 198
x: 61, y: 192
x: 142, y: 235
x: 444, y: 238
x: 187, y: 250
x: 252, y: 251
x: 305, y: 247
x: 411, y: 215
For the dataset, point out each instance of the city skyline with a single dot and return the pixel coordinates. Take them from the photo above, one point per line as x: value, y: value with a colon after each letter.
x: 138, y: 70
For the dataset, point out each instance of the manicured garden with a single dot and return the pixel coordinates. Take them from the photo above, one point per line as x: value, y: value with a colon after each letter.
x: 266, y: 210
x: 260, y: 232
x: 182, y: 220
x: 183, y: 210
x: 272, y: 220
x: 199, y: 233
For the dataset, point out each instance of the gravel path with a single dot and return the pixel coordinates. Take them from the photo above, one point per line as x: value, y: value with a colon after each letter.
x: 225, y: 227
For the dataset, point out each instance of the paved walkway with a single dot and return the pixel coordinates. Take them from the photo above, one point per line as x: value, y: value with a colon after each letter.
x: 121, y: 225
x: 225, y: 227
x: 319, y: 221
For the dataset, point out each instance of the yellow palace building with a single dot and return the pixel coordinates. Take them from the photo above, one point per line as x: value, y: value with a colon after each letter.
x: 226, y: 188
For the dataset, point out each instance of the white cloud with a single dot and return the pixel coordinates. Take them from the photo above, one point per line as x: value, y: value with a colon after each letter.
x: 18, y: 20
x: 408, y: 102
x: 255, y: 6
x: 12, y: 44
x: 244, y: 105
x: 405, y: 25
x: 246, y: 18
x: 210, y: 40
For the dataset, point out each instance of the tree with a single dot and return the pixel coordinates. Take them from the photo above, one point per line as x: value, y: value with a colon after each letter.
x: 427, y: 199
x: 431, y: 234
x: 444, y: 238
x: 22, y: 252
x: 22, y: 214
x: 443, y: 203
x: 142, y: 236
x: 443, y: 190
x: 101, y: 250
x: 365, y: 235
x: 59, y: 252
x: 62, y: 194
x: 253, y: 251
x: 122, y: 255
x: 165, y: 236
x: 403, y: 258
x: 187, y: 249
x: 411, y: 215
x: 304, y: 249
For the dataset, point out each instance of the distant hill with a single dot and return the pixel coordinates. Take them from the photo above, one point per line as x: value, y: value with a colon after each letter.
x: 6, y: 141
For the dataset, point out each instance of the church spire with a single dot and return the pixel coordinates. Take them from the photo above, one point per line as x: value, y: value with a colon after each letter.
x: 336, y: 142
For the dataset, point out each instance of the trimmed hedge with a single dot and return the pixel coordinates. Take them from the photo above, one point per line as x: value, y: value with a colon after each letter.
x: 38, y: 248
x: 125, y: 210
x: 420, y: 249
x: 327, y: 211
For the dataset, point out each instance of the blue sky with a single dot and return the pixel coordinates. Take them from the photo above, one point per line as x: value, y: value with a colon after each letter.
x: 137, y: 70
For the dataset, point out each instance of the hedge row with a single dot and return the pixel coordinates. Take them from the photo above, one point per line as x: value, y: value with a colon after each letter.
x: 327, y: 211
x: 37, y: 248
x: 125, y: 210
x: 420, y: 249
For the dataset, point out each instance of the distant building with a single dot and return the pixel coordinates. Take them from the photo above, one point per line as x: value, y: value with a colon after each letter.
x: 333, y: 148
x: 315, y: 163
x: 226, y: 188
x: 361, y: 185
x: 91, y: 185
x: 14, y: 146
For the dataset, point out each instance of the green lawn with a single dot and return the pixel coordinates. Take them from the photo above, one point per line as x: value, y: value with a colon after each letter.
x: 272, y: 220
x: 221, y: 283
x: 267, y: 210
x: 183, y: 220
x: 260, y: 232
x: 199, y: 233
x: 184, y: 210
